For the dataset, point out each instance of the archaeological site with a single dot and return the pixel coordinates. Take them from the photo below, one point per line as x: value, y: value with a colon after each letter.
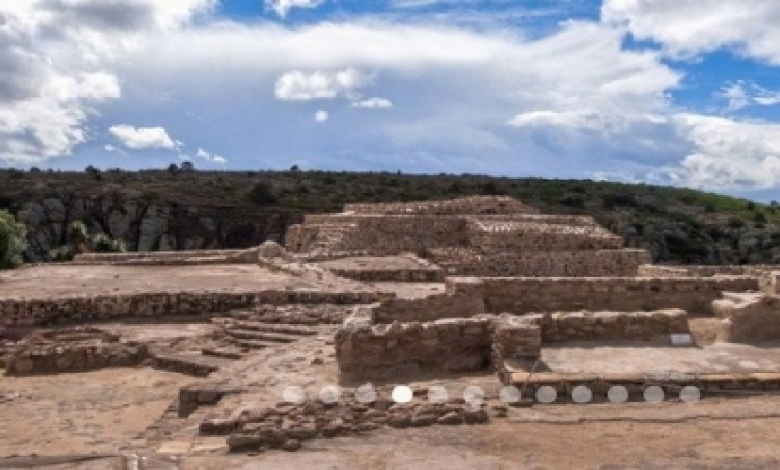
x: 476, y: 319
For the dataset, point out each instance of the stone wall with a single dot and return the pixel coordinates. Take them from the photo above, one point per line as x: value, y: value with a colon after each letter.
x: 366, y: 350
x: 501, y: 236
x: 651, y: 270
x: 421, y: 274
x: 426, y: 309
x: 460, y: 206
x: 564, y: 327
x: 520, y: 295
x: 74, y: 357
x: 385, y: 350
x: 160, y: 305
x: 590, y: 263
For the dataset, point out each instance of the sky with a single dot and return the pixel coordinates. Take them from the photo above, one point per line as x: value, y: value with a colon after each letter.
x: 657, y: 91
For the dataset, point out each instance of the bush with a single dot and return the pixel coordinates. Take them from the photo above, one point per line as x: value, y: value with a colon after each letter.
x: 13, y: 241
x: 261, y: 194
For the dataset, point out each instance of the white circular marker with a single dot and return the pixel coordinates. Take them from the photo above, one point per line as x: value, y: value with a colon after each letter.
x: 617, y: 394
x: 690, y: 394
x: 509, y: 394
x: 581, y: 394
x: 402, y: 394
x: 473, y: 395
x: 546, y: 394
x: 654, y: 394
x: 365, y: 394
x: 437, y: 394
x: 293, y: 394
x: 330, y: 394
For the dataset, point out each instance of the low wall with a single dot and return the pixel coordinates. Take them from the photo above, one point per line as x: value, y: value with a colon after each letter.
x: 654, y: 270
x: 63, y: 357
x: 427, y: 309
x: 590, y: 263
x: 365, y: 350
x: 382, y: 351
x: 146, y: 255
x: 112, y: 307
x: 520, y: 295
x: 391, y: 275
x: 459, y: 206
x: 564, y: 327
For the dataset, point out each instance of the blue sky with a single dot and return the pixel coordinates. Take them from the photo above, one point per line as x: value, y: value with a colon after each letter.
x: 660, y: 91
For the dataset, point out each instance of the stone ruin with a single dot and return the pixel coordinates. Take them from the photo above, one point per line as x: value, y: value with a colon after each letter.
x: 515, y: 282
x: 473, y: 236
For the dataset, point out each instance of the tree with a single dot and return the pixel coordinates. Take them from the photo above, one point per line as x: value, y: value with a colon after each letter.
x: 93, y: 172
x: 187, y: 165
x: 13, y: 241
x: 173, y: 169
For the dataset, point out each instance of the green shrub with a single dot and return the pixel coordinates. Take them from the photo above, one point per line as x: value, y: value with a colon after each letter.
x: 13, y: 241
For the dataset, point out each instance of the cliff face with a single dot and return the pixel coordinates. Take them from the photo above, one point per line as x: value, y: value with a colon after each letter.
x: 151, y: 226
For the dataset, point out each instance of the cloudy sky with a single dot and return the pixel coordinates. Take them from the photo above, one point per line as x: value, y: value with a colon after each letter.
x: 662, y: 91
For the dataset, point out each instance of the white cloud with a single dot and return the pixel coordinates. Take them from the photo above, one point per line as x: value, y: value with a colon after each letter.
x: 55, y: 66
x: 296, y: 85
x: 373, y: 103
x: 728, y: 154
x: 742, y: 94
x: 143, y: 137
x: 321, y: 116
x: 693, y: 27
x: 211, y: 157
x: 282, y: 7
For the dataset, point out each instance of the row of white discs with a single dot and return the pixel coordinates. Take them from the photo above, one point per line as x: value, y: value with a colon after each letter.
x: 474, y: 395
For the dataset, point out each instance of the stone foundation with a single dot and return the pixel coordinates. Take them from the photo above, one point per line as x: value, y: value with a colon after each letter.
x: 74, y: 357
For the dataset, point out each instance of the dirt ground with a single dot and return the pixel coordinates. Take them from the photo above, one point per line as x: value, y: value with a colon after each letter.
x: 82, y: 413
x: 63, y: 280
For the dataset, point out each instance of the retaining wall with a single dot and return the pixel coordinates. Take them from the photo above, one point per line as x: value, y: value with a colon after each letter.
x: 521, y: 295
x: 591, y: 263
x: 112, y: 307
x: 428, y: 309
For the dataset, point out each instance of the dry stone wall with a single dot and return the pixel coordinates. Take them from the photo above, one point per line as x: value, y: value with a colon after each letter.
x: 160, y: 305
x: 427, y: 309
x: 460, y: 206
x: 607, y: 263
x: 366, y: 350
x: 522, y: 295
x: 52, y: 358
x: 383, y: 350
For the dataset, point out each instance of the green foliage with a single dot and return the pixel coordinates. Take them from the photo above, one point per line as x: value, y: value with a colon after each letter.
x: 261, y: 193
x: 13, y: 241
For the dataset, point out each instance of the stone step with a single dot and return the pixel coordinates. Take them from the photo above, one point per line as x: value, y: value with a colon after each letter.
x: 224, y: 352
x: 252, y: 344
x: 197, y: 365
x: 283, y: 328
x: 261, y: 335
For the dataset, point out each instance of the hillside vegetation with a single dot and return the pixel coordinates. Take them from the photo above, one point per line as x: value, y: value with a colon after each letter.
x: 180, y: 208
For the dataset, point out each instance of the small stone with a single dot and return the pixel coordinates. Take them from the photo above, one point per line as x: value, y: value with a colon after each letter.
x: 399, y: 421
x: 451, y: 418
x: 476, y: 417
x: 291, y: 445
x: 423, y: 420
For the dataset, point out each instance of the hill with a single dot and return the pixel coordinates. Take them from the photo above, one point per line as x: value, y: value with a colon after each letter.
x: 178, y: 209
